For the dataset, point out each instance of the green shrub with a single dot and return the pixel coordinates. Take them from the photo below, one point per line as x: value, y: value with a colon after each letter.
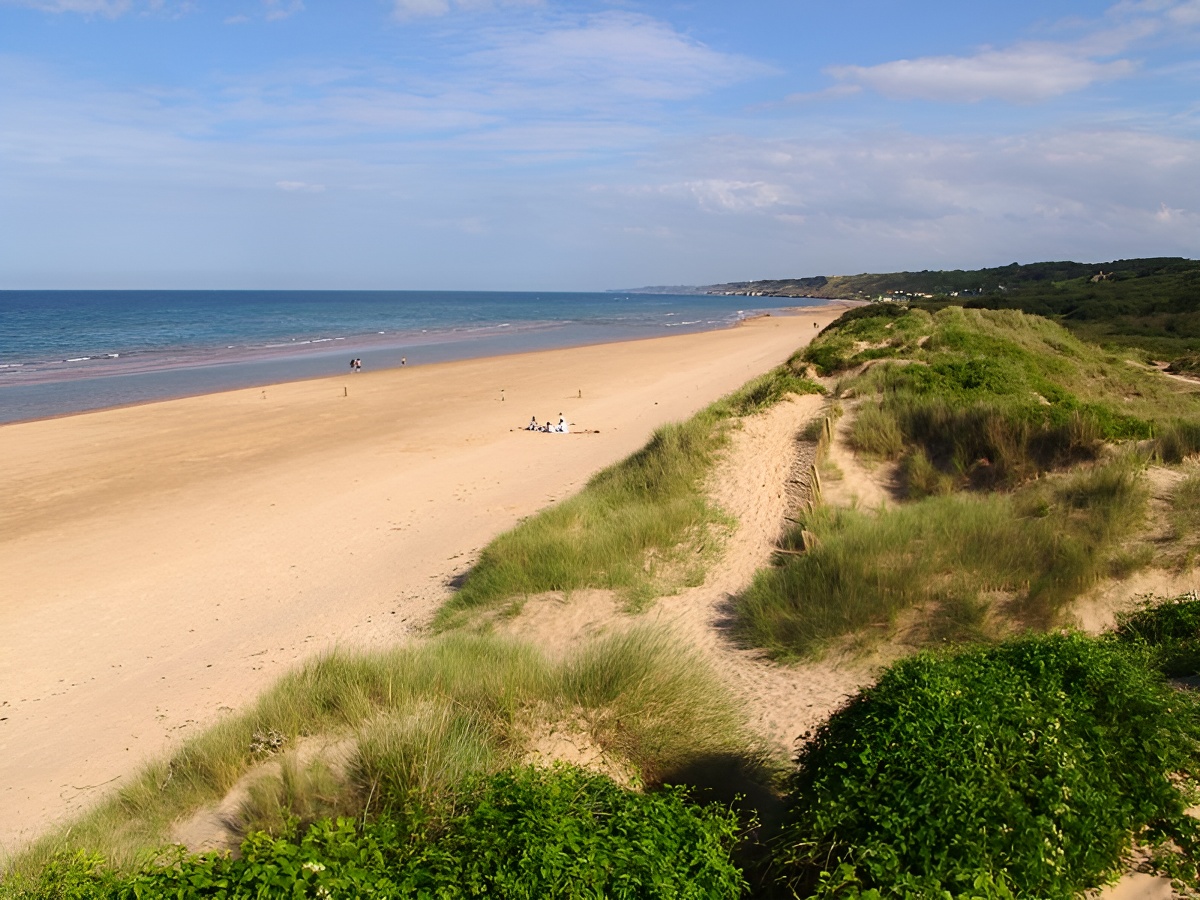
x: 1188, y: 364
x: 412, y: 724
x: 524, y: 833
x: 566, y: 833
x: 1021, y: 770
x: 1169, y: 631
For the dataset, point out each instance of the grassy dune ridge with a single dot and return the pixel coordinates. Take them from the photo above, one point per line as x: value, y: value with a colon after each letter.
x: 1023, y: 770
x: 1014, y: 501
x: 1042, y: 545
x: 1149, y: 305
x: 642, y: 527
x: 1019, y: 768
x: 420, y: 720
x: 997, y: 396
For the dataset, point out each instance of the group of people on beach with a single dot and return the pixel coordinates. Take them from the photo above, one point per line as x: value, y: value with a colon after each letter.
x: 561, y: 428
x: 356, y: 363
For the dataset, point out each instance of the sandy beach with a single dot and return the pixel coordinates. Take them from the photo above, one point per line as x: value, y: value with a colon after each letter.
x: 162, y: 564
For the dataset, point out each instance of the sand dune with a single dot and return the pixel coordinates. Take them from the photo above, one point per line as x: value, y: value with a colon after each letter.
x: 162, y: 564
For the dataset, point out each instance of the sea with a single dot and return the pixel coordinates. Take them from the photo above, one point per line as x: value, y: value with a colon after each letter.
x: 64, y: 352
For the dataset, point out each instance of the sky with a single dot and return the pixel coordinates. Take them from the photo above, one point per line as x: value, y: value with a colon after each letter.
x: 587, y: 145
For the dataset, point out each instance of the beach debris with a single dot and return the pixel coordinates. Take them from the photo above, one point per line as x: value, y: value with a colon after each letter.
x: 266, y: 741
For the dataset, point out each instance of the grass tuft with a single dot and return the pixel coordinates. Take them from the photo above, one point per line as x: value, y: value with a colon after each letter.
x: 638, y: 685
x: 1042, y: 545
x: 419, y: 720
x: 993, y: 398
x: 640, y: 527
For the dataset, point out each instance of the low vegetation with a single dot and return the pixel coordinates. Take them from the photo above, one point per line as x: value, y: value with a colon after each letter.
x: 1168, y: 632
x: 420, y: 721
x: 1187, y: 364
x: 1030, y: 552
x: 1150, y: 305
x: 1023, y: 767
x: 522, y: 833
x: 1011, y: 498
x: 1022, y: 770
x: 642, y: 527
x: 1181, y: 549
x: 994, y: 398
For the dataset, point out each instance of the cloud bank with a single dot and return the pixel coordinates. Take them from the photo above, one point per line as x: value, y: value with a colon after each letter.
x: 1029, y: 73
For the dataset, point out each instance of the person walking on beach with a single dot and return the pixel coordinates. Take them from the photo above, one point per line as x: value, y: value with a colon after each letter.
x: 353, y: 365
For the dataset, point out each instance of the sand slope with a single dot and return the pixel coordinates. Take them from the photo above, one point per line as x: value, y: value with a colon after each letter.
x: 780, y: 702
x: 160, y: 565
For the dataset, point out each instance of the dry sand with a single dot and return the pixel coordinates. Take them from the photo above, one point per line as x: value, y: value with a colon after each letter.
x: 780, y: 702
x: 162, y: 564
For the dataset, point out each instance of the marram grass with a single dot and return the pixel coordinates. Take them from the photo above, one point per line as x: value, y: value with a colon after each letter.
x: 1041, y: 547
x: 992, y: 398
x: 418, y: 721
x: 642, y: 527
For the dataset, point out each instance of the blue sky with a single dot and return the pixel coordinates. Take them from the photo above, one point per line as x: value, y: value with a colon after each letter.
x: 518, y: 144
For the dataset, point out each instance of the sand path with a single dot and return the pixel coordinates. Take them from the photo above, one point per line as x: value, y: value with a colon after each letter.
x: 779, y: 702
x: 160, y: 565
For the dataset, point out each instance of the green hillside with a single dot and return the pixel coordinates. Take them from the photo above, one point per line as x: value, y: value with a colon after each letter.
x: 1149, y: 304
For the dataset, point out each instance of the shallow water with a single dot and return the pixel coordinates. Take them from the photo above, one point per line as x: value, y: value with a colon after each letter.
x: 70, y: 351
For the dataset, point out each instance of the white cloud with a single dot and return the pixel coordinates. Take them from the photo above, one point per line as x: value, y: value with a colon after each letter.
x: 1030, y: 72
x: 300, y: 187
x: 411, y: 9
x: 617, y: 54
x: 421, y: 9
x: 1168, y: 214
x: 735, y: 196
x: 899, y: 200
x: 1185, y: 13
x: 108, y: 8
x: 281, y: 9
x: 1027, y: 73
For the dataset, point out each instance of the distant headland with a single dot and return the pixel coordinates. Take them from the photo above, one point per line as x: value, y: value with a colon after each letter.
x: 928, y: 283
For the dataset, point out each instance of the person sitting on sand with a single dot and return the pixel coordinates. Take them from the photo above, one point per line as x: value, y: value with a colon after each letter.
x: 533, y: 424
x: 562, y: 427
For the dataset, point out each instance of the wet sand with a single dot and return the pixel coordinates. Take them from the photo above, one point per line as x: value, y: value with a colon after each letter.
x: 160, y: 565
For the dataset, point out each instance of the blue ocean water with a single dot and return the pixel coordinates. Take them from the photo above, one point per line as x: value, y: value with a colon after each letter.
x: 70, y: 351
